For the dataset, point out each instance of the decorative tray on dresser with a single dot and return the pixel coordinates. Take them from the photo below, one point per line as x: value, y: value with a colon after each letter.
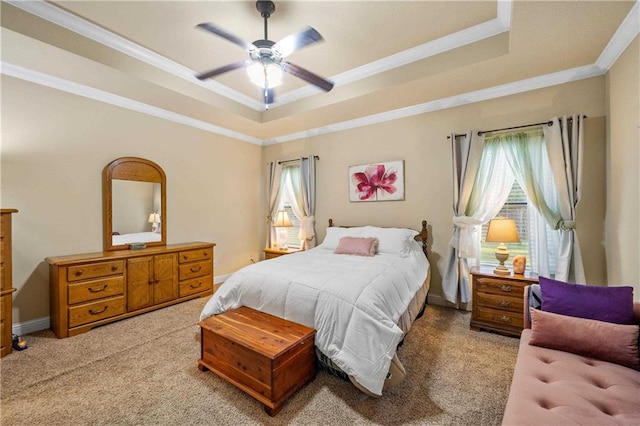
x: 88, y: 290
x: 497, y: 301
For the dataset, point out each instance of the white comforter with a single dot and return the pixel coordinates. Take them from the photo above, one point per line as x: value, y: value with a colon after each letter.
x: 353, y: 302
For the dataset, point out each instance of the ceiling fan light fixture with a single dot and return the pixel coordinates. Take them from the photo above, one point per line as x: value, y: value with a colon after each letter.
x: 265, y: 75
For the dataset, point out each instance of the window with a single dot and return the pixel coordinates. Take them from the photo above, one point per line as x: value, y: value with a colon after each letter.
x: 508, y: 160
x: 285, y: 204
x: 516, y: 208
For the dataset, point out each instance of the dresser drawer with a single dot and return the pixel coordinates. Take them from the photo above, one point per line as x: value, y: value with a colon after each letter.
x: 195, y: 285
x: 500, y: 317
x: 194, y: 255
x: 498, y: 286
x: 91, y: 312
x: 499, y: 301
x: 194, y: 270
x: 95, y: 270
x: 95, y: 289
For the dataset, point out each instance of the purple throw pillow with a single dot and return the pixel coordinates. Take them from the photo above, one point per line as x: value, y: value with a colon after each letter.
x: 610, y: 304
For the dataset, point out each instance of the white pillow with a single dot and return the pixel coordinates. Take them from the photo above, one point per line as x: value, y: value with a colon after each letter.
x: 390, y: 240
x: 396, y: 241
x: 334, y: 234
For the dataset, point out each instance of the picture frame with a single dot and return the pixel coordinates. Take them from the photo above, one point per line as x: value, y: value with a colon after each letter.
x: 383, y: 181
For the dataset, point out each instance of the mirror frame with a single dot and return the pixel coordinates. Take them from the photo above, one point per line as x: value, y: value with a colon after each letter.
x: 135, y: 169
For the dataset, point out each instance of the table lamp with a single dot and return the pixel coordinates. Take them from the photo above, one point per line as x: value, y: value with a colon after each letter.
x: 154, y: 220
x: 282, y: 222
x: 502, y: 230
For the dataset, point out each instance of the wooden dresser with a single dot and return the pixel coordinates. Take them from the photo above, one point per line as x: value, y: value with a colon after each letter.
x: 497, y: 303
x: 272, y: 253
x: 6, y: 282
x: 88, y: 290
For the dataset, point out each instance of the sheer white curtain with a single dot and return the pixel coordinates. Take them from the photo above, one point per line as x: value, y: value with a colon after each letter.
x: 298, y: 179
x: 478, y: 194
x: 274, y: 174
x: 565, y: 138
x: 526, y: 155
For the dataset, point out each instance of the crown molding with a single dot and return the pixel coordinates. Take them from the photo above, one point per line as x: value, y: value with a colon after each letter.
x: 96, y: 33
x: 507, y: 89
x: 120, y: 101
x: 625, y: 34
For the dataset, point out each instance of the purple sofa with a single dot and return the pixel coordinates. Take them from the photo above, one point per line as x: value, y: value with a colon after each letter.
x: 553, y: 387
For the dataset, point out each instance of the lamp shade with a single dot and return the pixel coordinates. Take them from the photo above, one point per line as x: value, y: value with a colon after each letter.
x: 502, y: 230
x: 265, y: 74
x: 282, y: 220
x: 154, y: 218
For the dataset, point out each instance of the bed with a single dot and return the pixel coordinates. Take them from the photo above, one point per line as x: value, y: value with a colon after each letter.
x: 137, y: 237
x: 362, y: 306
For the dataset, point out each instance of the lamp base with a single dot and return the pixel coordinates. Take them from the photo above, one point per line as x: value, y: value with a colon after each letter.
x: 501, y: 270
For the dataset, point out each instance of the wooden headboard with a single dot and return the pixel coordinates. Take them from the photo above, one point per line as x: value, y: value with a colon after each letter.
x: 421, y: 237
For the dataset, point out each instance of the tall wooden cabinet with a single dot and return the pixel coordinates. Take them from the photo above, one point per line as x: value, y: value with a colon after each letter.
x: 89, y: 290
x: 6, y: 282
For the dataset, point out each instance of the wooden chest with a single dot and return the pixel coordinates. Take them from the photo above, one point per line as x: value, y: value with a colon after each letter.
x: 267, y: 357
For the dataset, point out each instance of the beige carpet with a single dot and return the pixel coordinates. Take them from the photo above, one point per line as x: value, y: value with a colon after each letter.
x: 144, y: 371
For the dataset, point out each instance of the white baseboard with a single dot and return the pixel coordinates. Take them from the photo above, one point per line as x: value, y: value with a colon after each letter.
x: 221, y: 278
x: 32, y: 326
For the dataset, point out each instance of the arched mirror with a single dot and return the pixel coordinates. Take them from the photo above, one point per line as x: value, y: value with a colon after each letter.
x: 134, y: 204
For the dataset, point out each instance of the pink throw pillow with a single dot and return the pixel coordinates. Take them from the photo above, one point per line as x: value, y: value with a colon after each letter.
x: 357, y: 246
x: 617, y: 343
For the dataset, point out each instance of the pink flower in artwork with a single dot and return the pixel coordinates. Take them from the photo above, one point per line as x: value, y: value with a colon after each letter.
x: 374, y: 178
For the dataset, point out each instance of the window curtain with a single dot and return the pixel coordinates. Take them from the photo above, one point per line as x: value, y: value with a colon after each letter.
x: 466, y: 156
x: 565, y: 149
x: 274, y: 175
x: 526, y: 155
x: 307, y: 233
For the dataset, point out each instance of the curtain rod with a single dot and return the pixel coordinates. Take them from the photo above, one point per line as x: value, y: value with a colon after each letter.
x: 296, y: 159
x: 481, y: 132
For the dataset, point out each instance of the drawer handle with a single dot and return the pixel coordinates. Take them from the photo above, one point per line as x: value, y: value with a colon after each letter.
x: 196, y: 269
x: 196, y: 286
x: 114, y: 268
x: 98, y: 290
x: 505, y: 304
x: 185, y: 257
x: 79, y: 272
x: 206, y: 254
x: 506, y: 288
x: 92, y: 312
x: 505, y: 318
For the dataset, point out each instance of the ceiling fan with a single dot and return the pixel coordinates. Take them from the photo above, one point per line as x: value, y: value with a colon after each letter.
x: 266, y: 58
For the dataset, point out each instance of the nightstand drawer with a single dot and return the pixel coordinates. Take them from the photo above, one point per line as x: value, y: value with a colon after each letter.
x: 498, y: 301
x: 498, y: 286
x: 500, y: 317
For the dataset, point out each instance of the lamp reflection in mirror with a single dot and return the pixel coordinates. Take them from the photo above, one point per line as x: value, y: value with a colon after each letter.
x: 282, y: 222
x: 154, y: 220
x: 502, y: 230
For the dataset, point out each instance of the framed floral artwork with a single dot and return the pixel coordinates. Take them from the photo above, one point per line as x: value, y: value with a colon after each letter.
x: 377, y: 182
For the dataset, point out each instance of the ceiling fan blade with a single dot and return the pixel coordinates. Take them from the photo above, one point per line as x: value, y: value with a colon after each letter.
x: 224, y: 34
x: 307, y: 76
x: 297, y: 41
x: 221, y: 70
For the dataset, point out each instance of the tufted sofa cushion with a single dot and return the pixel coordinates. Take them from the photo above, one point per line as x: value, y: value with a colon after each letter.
x: 552, y: 387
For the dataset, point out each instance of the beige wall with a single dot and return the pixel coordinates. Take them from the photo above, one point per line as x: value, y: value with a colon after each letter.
x: 54, y: 147
x: 623, y: 171
x: 421, y: 141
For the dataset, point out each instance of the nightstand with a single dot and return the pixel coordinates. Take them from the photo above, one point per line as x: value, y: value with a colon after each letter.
x: 497, y: 303
x: 271, y: 253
